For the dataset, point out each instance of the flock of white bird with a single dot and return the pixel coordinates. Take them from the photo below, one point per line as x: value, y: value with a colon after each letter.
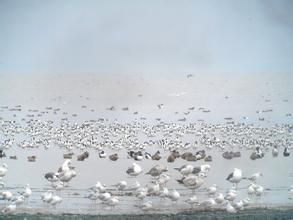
x: 138, y: 137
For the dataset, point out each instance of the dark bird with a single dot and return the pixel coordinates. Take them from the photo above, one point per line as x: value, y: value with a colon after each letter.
x: 113, y: 157
x: 52, y: 177
x: 83, y: 156
x: 2, y: 154
x: 31, y: 158
x: 68, y: 155
x: 286, y: 152
x: 157, y: 156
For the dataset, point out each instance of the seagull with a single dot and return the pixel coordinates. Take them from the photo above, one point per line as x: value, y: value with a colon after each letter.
x: 185, y: 169
x: 6, y: 195
x: 219, y: 198
x: 231, y: 195
x: 235, y: 177
x: 55, y: 200
x: 146, y: 206
x: 113, y: 201
x: 286, y: 152
x: 259, y: 190
x: 10, y: 208
x: 52, y: 177
x: 99, y: 187
x: 134, y: 186
x: 209, y: 202
x: 102, y: 154
x: 164, y: 193
x: 160, y: 106
x: 192, y: 181
x: 163, y: 179
x: 192, y: 201
x: 121, y: 185
x: 254, y: 177
x: 3, y: 170
x: 104, y: 196
x: 157, y: 170
x: 174, y: 195
x: 202, y: 169
x: 134, y: 170
x: 47, y: 196
x: 19, y: 200
x: 239, y: 205
x: 275, y: 151
x: 251, y: 189
x: 27, y: 191
x: 230, y: 208
x: 212, y: 189
x: 153, y: 189
x: 141, y: 193
x: 290, y: 193
x: 66, y: 176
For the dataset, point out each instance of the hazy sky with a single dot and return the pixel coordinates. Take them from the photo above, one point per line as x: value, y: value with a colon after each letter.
x: 149, y: 36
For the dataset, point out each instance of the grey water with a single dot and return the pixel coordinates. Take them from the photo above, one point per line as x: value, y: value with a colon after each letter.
x: 244, y: 99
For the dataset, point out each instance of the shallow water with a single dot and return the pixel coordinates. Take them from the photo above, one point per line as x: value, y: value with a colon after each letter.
x: 246, y: 96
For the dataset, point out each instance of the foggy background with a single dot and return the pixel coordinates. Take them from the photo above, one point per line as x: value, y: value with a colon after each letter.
x: 146, y: 36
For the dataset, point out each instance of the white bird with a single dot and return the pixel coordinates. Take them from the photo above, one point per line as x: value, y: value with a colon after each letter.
x: 134, y: 186
x: 19, y: 200
x: 231, y: 195
x: 163, y: 179
x: 134, y: 170
x: 3, y: 170
x: 275, y: 151
x: 141, y: 193
x: 290, y: 193
x: 219, y: 198
x: 55, y: 200
x: 255, y: 189
x: 146, y: 206
x: 185, y: 169
x: 65, y: 165
x: 251, y: 189
x: 10, y: 208
x: 246, y: 201
x: 212, y: 189
x: 239, y: 205
x: 67, y: 175
x: 122, y: 185
x: 254, y: 177
x: 153, y: 189
x: 47, y: 196
x: 164, y: 193
x: 113, y: 201
x: 104, y: 196
x: 209, y: 203
x: 99, y: 187
x: 157, y: 170
x: 27, y: 191
x: 58, y: 185
x: 102, y: 154
x: 192, y: 201
x: 192, y: 181
x: 174, y: 195
x: 230, y: 208
x: 7, y: 195
x: 259, y: 190
x: 235, y: 177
